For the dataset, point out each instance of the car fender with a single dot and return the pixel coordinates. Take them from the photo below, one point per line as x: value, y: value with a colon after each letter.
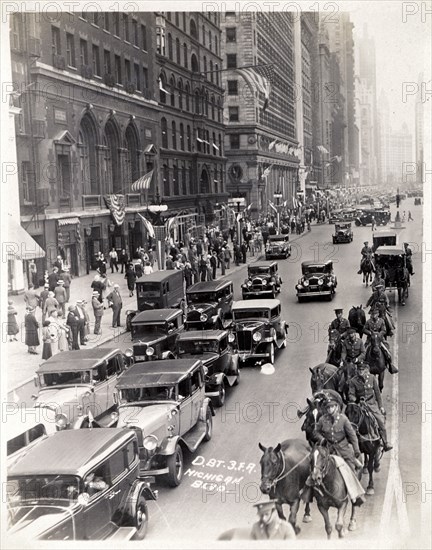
x: 206, y: 404
x: 169, y: 445
x: 129, y: 500
x: 216, y: 379
x: 168, y: 355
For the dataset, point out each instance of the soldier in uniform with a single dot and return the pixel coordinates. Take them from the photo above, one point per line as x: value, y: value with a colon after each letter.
x: 366, y: 252
x: 378, y: 280
x: 374, y: 324
x: 408, y: 253
x: 353, y: 350
x: 270, y: 525
x: 378, y: 300
x: 340, y: 323
x: 364, y: 385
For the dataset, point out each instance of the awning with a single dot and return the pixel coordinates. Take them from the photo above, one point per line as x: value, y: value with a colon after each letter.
x: 68, y: 221
x: 150, y: 149
x: 19, y: 244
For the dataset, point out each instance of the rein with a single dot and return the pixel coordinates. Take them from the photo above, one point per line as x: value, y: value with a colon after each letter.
x: 318, y: 488
x: 282, y: 475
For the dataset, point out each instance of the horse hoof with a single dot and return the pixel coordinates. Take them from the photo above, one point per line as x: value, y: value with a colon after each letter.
x: 297, y: 529
x: 307, y: 518
x: 352, y: 525
x: 365, y: 470
x: 341, y: 532
x: 377, y: 469
x: 370, y: 491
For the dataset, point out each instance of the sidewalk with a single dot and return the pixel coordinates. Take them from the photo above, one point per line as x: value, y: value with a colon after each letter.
x: 80, y: 290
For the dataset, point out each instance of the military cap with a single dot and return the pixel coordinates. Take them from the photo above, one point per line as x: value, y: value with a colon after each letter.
x: 95, y: 293
x: 338, y: 310
x: 351, y: 331
x: 363, y: 365
x: 332, y: 396
x: 373, y: 310
x: 366, y: 242
x: 265, y: 506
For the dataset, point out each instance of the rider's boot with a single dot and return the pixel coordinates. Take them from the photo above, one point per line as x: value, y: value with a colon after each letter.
x: 359, y: 272
x: 386, y: 445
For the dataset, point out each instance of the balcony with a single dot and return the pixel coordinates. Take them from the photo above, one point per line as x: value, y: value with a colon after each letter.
x: 109, y: 80
x: 59, y: 62
x: 91, y: 201
x: 86, y: 71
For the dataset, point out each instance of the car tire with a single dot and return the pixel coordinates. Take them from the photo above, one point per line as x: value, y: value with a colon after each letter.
x: 141, y: 519
x: 284, y: 344
x: 271, y: 353
x: 358, y: 223
x: 175, y: 467
x: 220, y: 399
x: 209, y: 425
x: 300, y: 299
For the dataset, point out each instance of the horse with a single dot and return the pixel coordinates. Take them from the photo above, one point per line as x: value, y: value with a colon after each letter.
x: 376, y: 358
x: 330, y: 490
x: 367, y: 268
x: 366, y: 427
x: 334, y: 349
x: 357, y: 318
x: 324, y: 376
x: 402, y: 282
x: 347, y: 371
x: 284, y: 471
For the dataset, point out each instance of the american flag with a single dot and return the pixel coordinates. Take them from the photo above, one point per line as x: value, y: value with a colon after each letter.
x: 260, y: 78
x: 117, y: 207
x: 148, y: 226
x: 143, y: 182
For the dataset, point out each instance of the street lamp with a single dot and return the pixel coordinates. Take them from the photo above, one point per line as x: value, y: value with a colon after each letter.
x: 239, y: 201
x: 156, y: 210
x: 278, y: 195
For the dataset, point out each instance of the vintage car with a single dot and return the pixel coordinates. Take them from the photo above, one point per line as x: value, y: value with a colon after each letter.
x: 417, y: 201
x: 154, y: 333
x: 25, y: 428
x: 257, y: 329
x: 336, y: 216
x: 209, y: 304
x: 219, y: 360
x: 349, y: 214
x: 80, y: 485
x: 164, y: 403
x: 277, y: 246
x: 384, y: 238
x: 390, y: 259
x: 342, y: 233
x: 317, y: 279
x: 381, y: 215
x: 263, y: 280
x: 158, y: 290
x: 77, y: 383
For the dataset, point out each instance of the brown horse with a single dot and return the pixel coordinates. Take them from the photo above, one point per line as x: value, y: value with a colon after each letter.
x: 376, y: 358
x: 284, y: 470
x: 367, y: 268
x: 357, y: 318
x: 334, y: 348
x: 324, y: 376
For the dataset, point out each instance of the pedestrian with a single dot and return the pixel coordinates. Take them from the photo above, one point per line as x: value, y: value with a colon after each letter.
x: 58, y: 332
x: 209, y: 269
x: 138, y: 268
x: 202, y: 266
x: 12, y: 325
x: 51, y: 304
x: 59, y: 264
x: 86, y: 320
x: 98, y: 311
x: 113, y: 256
x: 410, y: 218
x: 98, y: 285
x: 213, y: 264
x: 228, y: 256
x: 67, y: 280
x: 147, y: 268
x: 123, y: 260
x: 82, y: 322
x: 188, y: 274
x: 33, y: 273
x: 169, y: 264
x: 373, y: 223
x: 31, y: 331
x: 130, y: 277
x: 243, y: 251
x: 101, y: 263
x: 46, y: 339
x: 221, y: 257
x: 31, y: 298
x: 53, y: 278
x: 73, y: 323
x: 116, y: 303
x: 60, y: 296
x: 151, y: 257
x: 269, y: 525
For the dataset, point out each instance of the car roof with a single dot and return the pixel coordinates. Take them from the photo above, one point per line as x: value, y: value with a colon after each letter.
x: 255, y: 304
x: 310, y: 263
x: 156, y: 373
x: 208, y: 286
x: 262, y: 264
x: 384, y: 234
x: 390, y: 251
x: 158, y: 276
x: 343, y: 224
x: 278, y: 237
x: 202, y: 335
x: 77, y: 360
x: 27, y: 418
x: 155, y: 315
x: 70, y: 452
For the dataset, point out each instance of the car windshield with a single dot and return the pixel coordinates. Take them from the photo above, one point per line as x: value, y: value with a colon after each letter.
x: 52, y: 488
x: 240, y: 315
x: 145, y: 329
x: 307, y: 270
x: 201, y: 297
x: 259, y: 271
x: 148, y: 290
x: 198, y: 347
x: 134, y: 395
x: 63, y: 378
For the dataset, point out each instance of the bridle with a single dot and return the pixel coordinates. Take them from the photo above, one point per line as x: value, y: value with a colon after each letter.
x: 357, y: 425
x: 282, y: 475
x: 320, y: 487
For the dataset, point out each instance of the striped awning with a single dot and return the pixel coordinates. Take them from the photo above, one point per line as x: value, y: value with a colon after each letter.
x: 68, y: 221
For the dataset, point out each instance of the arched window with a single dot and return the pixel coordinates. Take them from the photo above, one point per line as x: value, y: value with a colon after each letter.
x: 172, y: 91
x: 173, y: 135
x: 205, y: 67
x: 184, y: 21
x: 178, y: 50
x: 194, y: 64
x: 219, y: 109
x: 180, y: 94
x: 113, y: 183
x: 177, y: 20
x: 164, y: 130
x: 197, y: 102
x: 203, y: 36
x: 217, y: 74
x: 176, y: 182
x: 193, y: 29
x: 182, y: 137
x: 189, y: 140
x: 132, y: 157
x: 170, y: 46
x: 87, y: 139
x: 213, y: 107
x: 187, y: 96
x: 211, y: 70
x: 216, y: 45
x: 220, y: 146
x: 204, y: 183
x: 162, y: 94
x: 166, y: 181
x: 185, y: 55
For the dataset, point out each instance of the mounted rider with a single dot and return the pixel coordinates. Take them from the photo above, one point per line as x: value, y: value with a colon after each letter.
x: 378, y: 280
x: 367, y: 254
x: 364, y: 385
x: 408, y: 255
x: 340, y: 323
x: 378, y: 300
x: 353, y: 350
x: 375, y: 324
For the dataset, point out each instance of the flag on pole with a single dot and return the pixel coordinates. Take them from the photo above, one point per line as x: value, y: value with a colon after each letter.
x: 260, y: 78
x: 322, y: 149
x: 117, y: 207
x: 266, y: 172
x: 170, y: 223
x: 162, y: 89
x: 143, y: 182
x: 148, y: 226
x: 273, y: 206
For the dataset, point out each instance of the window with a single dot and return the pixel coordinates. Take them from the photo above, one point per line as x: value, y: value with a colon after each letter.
x: 96, y: 60
x: 144, y: 37
x: 131, y: 453
x: 107, y: 62
x: 205, y: 67
x: 70, y: 50
x: 232, y: 87
x: 170, y: 46
x: 128, y: 70
x: 84, y: 15
x: 233, y: 114
x: 87, y: 157
x: 117, y: 24
x: 196, y: 380
x: 16, y: 31
x: 184, y: 21
x: 56, y: 43
x: 217, y: 73
x: 116, y: 465
x: 172, y: 90
x: 125, y: 19
x: 164, y: 130
x: 213, y: 107
x: 216, y: 45
x: 117, y: 68
x: 187, y: 94
x: 162, y: 88
x: 145, y: 78
x: 231, y: 61
x: 96, y: 18
x: 177, y: 19
x: 27, y: 189
x: 176, y: 183
x: 213, y: 150
x: 137, y: 76
x: 182, y: 137
x: 211, y: 70
x: 194, y: 63
x: 220, y: 150
x: 184, y: 388
x: 178, y: 52
x: 174, y: 135
x: 203, y: 36
x: 105, y: 22
x: 197, y: 103
x: 193, y: 29
x: 166, y: 181
x: 135, y: 31
x: 64, y: 172
x: 185, y: 55
x: 184, y: 180
x: 231, y: 34
x: 83, y: 52
x: 235, y: 141
x: 180, y: 97
x: 189, y: 141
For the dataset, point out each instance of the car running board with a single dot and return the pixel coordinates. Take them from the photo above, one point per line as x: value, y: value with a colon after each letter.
x: 194, y: 437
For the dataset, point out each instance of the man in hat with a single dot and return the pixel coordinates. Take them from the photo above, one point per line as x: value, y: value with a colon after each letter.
x: 378, y: 280
x: 67, y: 280
x: 98, y: 311
x: 73, y: 322
x: 364, y: 385
x: 59, y: 264
x: 340, y: 323
x: 43, y: 298
x: 116, y: 303
x: 81, y: 321
x: 60, y: 296
x: 270, y: 525
x: 31, y: 298
x: 408, y: 254
x: 375, y: 324
x: 353, y: 350
x: 53, y: 279
x: 366, y: 252
x: 31, y: 331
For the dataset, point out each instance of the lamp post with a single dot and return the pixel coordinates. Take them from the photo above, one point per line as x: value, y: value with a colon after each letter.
x: 159, y: 228
x: 278, y: 195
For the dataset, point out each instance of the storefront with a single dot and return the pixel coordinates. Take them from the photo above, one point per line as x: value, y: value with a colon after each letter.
x: 69, y: 243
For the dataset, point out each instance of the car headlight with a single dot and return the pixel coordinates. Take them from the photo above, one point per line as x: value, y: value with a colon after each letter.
x: 249, y: 283
x: 305, y: 283
x: 114, y: 416
x: 61, y: 421
x: 298, y: 286
x: 203, y: 317
x: 129, y: 352
x: 264, y: 282
x: 257, y: 336
x: 150, y: 443
x: 231, y: 337
x: 320, y: 282
x: 150, y: 351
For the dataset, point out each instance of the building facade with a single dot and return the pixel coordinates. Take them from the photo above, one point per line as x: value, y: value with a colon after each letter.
x: 419, y: 133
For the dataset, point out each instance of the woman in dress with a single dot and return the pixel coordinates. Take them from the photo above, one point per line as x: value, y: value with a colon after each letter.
x: 46, y: 338
x: 131, y: 278
x: 12, y: 325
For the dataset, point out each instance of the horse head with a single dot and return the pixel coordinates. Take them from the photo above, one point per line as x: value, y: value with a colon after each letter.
x: 320, y: 457
x: 270, y: 467
x: 317, y: 380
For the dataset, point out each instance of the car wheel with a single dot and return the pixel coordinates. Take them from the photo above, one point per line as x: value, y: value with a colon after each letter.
x: 270, y: 353
x: 175, y: 467
x: 358, y: 223
x: 209, y: 425
x: 141, y: 519
x: 300, y: 299
x: 284, y: 344
x: 220, y: 399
